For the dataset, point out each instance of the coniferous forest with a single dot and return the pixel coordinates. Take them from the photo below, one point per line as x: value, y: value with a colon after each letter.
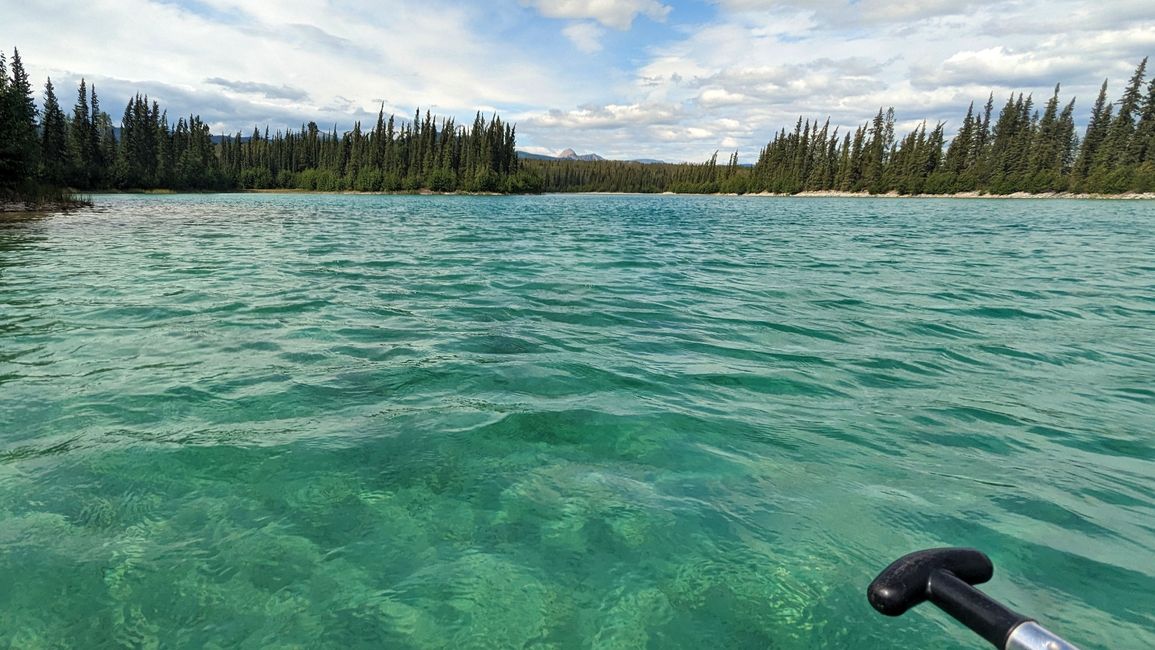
x: 1023, y: 147
x: 82, y: 150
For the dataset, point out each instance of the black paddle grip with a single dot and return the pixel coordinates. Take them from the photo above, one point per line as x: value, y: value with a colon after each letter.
x: 944, y: 577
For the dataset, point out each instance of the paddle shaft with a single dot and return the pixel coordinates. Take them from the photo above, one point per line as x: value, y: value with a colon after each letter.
x: 944, y: 576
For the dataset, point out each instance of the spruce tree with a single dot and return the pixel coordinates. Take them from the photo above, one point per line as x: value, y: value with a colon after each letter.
x: 1045, y: 147
x: 19, y: 141
x: 1143, y: 145
x: 97, y: 148
x: 957, y: 153
x: 53, y: 139
x: 1095, y: 135
x: 7, y: 130
x: 1116, y: 146
x: 80, y: 137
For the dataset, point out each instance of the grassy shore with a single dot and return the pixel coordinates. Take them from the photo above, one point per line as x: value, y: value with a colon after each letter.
x: 41, y: 199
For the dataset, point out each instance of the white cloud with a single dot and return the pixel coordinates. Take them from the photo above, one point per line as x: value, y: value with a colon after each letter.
x: 860, y: 12
x: 762, y: 63
x: 618, y: 14
x: 720, y: 97
x: 681, y: 134
x: 997, y: 65
x: 335, y: 65
x: 586, y: 37
x: 606, y: 117
x: 728, y: 81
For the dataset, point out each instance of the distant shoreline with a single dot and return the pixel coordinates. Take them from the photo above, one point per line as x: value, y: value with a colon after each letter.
x: 11, y: 207
x: 819, y: 194
x: 1125, y: 196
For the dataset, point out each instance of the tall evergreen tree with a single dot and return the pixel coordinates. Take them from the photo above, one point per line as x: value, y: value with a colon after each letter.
x: 878, y: 150
x: 1095, y: 135
x: 958, y: 153
x: 97, y: 148
x: 1117, y: 143
x: 80, y: 135
x: 19, y: 141
x: 984, y: 134
x: 53, y: 139
x: 1143, y: 146
x: 1045, y: 145
x: 7, y: 129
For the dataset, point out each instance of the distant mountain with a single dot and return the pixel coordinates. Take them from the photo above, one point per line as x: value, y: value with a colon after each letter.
x: 570, y: 154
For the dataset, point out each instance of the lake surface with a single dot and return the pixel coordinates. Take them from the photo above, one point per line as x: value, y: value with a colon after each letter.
x: 316, y: 421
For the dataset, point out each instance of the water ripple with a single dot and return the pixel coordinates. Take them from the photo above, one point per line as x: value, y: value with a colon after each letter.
x: 363, y: 421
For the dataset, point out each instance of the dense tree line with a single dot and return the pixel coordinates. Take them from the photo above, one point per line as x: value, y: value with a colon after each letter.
x: 1022, y: 148
x: 82, y: 150
x: 620, y: 176
x: 1019, y: 149
x: 19, y: 142
x: 421, y: 154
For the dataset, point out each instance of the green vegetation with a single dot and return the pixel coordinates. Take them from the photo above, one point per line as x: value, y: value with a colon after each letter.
x: 421, y: 154
x: 616, y: 176
x: 1019, y: 151
x: 42, y: 151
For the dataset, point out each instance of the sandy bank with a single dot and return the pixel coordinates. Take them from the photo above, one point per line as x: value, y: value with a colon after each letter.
x: 973, y: 195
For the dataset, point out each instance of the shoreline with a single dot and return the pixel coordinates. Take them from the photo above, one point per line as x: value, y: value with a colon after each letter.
x: 1124, y: 196
x: 818, y: 194
x: 33, y: 207
x: 18, y: 207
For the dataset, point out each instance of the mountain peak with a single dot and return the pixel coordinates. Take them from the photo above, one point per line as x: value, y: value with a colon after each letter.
x: 570, y: 154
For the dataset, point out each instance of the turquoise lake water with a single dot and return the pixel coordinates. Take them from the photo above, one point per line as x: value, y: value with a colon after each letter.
x: 260, y: 421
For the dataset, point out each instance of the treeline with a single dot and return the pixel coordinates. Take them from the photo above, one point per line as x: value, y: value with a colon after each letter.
x: 421, y: 154
x: 1019, y: 149
x: 82, y: 150
x: 1022, y: 148
x: 638, y: 177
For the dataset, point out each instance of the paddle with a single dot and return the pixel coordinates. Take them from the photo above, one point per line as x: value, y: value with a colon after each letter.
x: 944, y: 577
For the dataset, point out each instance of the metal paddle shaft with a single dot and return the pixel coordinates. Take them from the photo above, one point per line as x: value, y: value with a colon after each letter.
x: 944, y: 576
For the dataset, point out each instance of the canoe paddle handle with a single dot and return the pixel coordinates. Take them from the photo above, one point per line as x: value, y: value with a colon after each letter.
x: 944, y: 576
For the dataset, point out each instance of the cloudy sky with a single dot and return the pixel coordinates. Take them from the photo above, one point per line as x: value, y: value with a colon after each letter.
x: 667, y: 79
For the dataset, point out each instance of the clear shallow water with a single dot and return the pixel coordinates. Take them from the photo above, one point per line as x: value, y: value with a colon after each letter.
x: 615, y: 422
